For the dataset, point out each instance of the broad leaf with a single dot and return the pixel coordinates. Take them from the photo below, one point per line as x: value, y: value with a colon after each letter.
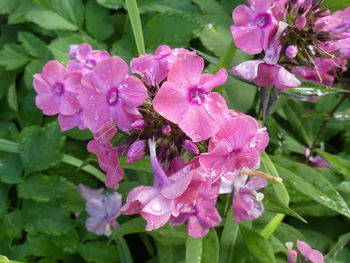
x: 113, y: 4
x: 34, y: 45
x: 13, y: 56
x: 98, y: 251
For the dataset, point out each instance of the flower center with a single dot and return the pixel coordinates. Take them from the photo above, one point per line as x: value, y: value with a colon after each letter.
x: 196, y: 95
x: 58, y: 88
x: 112, y: 97
x: 90, y: 63
x: 262, y: 20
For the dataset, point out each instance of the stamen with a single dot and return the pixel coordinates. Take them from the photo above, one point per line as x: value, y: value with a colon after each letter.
x: 262, y: 175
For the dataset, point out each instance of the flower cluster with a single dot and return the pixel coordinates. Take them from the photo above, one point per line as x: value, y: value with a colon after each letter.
x: 291, y: 37
x: 306, y: 253
x: 166, y: 107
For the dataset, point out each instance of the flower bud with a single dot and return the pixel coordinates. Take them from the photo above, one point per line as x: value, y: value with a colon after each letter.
x: 166, y: 129
x: 136, y: 151
x: 72, y: 53
x: 190, y: 146
x: 291, y: 51
x: 138, y: 124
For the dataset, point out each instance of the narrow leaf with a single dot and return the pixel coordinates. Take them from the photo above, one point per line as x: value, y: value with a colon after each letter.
x: 194, y: 250
x: 228, y: 238
x: 135, y: 20
x: 340, y: 164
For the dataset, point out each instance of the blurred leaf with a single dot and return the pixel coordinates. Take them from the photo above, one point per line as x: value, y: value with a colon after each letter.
x: 44, y: 188
x: 41, y: 147
x: 34, y: 45
x: 311, y: 183
x: 210, y: 7
x: 311, y: 91
x: 342, y: 115
x: 268, y: 98
x: 3, y: 199
x: 170, y: 235
x: 68, y: 242
x: 35, y: 66
x: 134, y: 225
x: 228, y: 238
x: 258, y: 246
x: 10, y: 168
x: 335, y: 4
x: 166, y: 6
x: 162, y: 28
x: 97, y: 251
x: 210, y: 247
x: 194, y: 249
x: 287, y: 233
x: 124, y: 251
x: 28, y: 113
x: 45, y: 218
x: 41, y: 245
x: 12, y: 97
x: 165, y: 253
x: 7, y: 6
x: 98, y: 22
x: 13, y: 56
x: 60, y: 46
x: 272, y: 226
x: 341, y: 165
x: 342, y: 242
x: 113, y: 4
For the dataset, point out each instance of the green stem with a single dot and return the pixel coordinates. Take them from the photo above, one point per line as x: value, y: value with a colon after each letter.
x: 272, y: 226
x: 134, y: 15
x: 12, y: 147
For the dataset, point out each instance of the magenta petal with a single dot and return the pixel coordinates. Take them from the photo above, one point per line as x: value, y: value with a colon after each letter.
x: 54, y: 72
x: 40, y: 85
x: 247, y: 38
x: 133, y: 92
x: 187, y: 71
x: 208, y: 81
x: 83, y: 52
x: 68, y: 122
x: 248, y: 69
x: 304, y: 248
x: 316, y: 256
x: 242, y: 15
x: 73, y: 82
x: 137, y: 198
x: 285, y: 80
x: 246, y: 207
x: 195, y: 228
x: 69, y: 104
x: 49, y: 103
x: 178, y: 187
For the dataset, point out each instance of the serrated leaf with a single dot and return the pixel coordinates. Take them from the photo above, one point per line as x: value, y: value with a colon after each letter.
x: 60, y: 46
x: 44, y: 188
x: 112, y: 4
x: 13, y: 56
x: 34, y: 45
x: 259, y: 247
x: 41, y: 147
x: 162, y: 28
x: 310, y: 91
x: 97, y: 251
x: 311, y: 183
x: 98, y: 22
x: 46, y: 218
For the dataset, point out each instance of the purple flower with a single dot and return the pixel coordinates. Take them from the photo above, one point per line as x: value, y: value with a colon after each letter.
x: 311, y: 255
x: 136, y: 151
x: 102, y: 209
x: 254, y: 27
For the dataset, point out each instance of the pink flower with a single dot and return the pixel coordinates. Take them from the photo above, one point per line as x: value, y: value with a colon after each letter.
x: 246, y: 201
x: 154, y: 67
x: 85, y: 59
x: 57, y: 89
x: 193, y: 106
x: 316, y: 161
x: 136, y: 151
x: 103, y: 209
x: 68, y: 122
x: 311, y: 255
x: 254, y: 27
x: 237, y: 145
x: 110, y: 94
x: 107, y: 155
x: 291, y: 51
x: 155, y: 203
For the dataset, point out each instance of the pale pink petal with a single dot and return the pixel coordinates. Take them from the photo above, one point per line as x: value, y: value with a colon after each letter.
x: 89, y: 193
x: 316, y: 256
x: 54, y: 72
x: 248, y: 69
x: 94, y: 81
x: 247, y: 38
x: 69, y: 104
x: 155, y: 221
x: 283, y: 79
x: 133, y: 92
x: 83, y: 52
x: 40, y: 85
x: 209, y: 81
x: 158, y: 206
x: 256, y: 183
x: 72, y: 83
x: 178, y: 187
x: 304, y: 248
x: 49, y: 103
x: 68, y: 122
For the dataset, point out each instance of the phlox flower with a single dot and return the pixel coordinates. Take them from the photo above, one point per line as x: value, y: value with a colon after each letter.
x: 254, y: 27
x: 57, y: 89
x: 68, y: 122
x: 107, y: 155
x: 185, y: 99
x: 84, y: 58
x: 103, y: 209
x: 155, y: 203
x: 237, y: 145
x: 312, y: 255
x: 110, y: 94
x: 155, y: 67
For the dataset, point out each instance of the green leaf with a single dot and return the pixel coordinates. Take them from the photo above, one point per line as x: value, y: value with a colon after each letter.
x: 210, y: 247
x: 44, y: 188
x: 41, y: 245
x: 310, y: 91
x: 97, y: 251
x: 112, y: 4
x: 228, y: 238
x: 342, y: 115
x: 98, y: 22
x: 12, y: 97
x: 10, y: 168
x: 40, y: 148
x: 341, y: 165
x: 132, y: 226
x: 28, y: 113
x: 165, y: 253
x: 162, y: 28
x: 69, y: 10
x: 60, y: 46
x: 46, y: 218
x: 7, y: 6
x: 134, y: 16
x: 341, y: 243
x: 279, y: 188
x: 34, y: 45
x: 13, y: 56
x: 68, y: 242
x: 170, y: 235
x: 335, y: 5
x: 311, y: 183
x: 210, y: 7
x: 272, y: 226
x: 35, y: 66
x: 3, y: 199
x: 293, y: 111
x: 124, y: 251
x: 259, y: 247
x: 166, y: 6
x: 194, y: 250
